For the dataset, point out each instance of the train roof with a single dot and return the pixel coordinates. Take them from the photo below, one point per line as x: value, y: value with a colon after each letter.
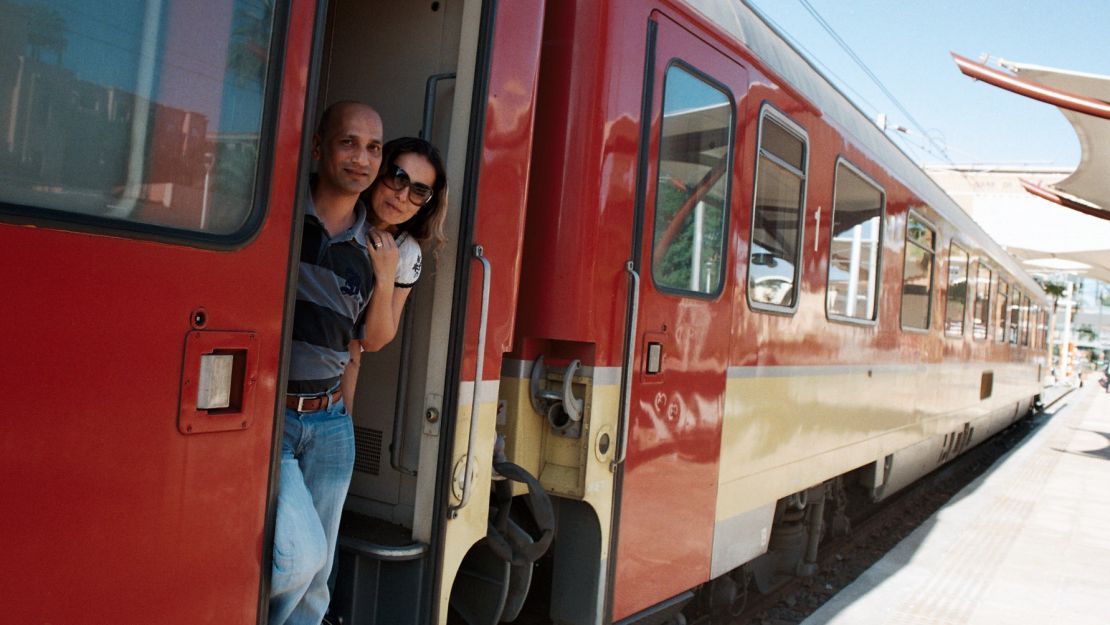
x: 740, y: 20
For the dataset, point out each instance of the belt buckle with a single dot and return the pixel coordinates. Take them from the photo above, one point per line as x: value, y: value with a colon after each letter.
x: 300, y: 403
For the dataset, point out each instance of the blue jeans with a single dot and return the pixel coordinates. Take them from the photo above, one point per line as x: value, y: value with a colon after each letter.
x: 317, y: 457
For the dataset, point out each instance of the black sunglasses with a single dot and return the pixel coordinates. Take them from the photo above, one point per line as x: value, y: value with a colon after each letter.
x: 398, y: 179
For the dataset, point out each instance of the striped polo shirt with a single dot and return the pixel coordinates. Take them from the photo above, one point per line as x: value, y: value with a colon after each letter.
x: 333, y: 288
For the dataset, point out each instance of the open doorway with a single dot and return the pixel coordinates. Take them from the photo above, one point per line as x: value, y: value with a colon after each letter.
x: 403, y: 59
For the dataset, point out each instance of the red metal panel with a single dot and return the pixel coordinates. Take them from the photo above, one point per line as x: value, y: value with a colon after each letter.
x: 504, y: 176
x: 580, y: 206
x: 111, y: 514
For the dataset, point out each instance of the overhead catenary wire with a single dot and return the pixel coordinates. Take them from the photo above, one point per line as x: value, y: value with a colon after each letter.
x: 874, y: 78
x: 874, y: 110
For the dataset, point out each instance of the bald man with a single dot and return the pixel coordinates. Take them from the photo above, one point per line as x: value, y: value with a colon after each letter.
x: 335, y: 283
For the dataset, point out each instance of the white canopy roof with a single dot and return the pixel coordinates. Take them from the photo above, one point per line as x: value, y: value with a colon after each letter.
x: 1091, y: 180
x: 1084, y: 99
x: 1091, y: 263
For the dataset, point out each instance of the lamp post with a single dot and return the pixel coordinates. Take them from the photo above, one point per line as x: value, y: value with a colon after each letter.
x: 1101, y: 333
x: 1065, y: 348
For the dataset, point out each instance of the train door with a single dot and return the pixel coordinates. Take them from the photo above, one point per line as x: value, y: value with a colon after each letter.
x: 463, y: 75
x: 148, y: 170
x: 681, y: 334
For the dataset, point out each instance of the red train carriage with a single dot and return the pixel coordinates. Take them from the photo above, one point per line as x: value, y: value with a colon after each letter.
x: 690, y: 289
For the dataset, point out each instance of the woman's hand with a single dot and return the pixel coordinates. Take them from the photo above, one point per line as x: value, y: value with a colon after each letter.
x: 383, y: 313
x: 384, y: 255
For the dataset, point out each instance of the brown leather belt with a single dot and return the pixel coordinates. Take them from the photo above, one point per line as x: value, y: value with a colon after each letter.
x: 312, y: 404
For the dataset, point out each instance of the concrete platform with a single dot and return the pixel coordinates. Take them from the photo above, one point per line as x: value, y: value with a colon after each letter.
x: 1028, y: 542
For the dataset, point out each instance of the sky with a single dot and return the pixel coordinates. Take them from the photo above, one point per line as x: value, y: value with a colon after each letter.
x: 906, y: 44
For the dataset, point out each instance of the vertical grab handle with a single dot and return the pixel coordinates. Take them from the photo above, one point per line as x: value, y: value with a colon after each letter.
x: 480, y: 356
x: 401, y: 402
x: 626, y: 370
x: 430, y: 89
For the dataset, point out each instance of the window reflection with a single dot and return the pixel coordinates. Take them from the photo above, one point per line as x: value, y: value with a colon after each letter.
x: 1003, y: 307
x: 144, y: 111
x: 777, y: 215
x: 854, y: 251
x: 981, y: 312
x: 1015, y: 316
x: 691, y: 192
x: 956, y: 297
x: 917, y: 274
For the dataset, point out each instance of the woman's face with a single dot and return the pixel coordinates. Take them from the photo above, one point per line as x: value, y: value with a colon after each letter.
x: 396, y: 199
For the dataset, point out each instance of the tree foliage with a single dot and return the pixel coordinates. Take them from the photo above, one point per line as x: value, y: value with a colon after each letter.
x: 672, y: 266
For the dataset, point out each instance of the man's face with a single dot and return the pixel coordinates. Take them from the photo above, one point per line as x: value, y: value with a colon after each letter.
x: 350, y: 151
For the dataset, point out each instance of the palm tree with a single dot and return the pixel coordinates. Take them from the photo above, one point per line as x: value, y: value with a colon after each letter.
x: 1055, y: 290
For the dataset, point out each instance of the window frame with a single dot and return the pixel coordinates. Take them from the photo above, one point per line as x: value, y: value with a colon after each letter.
x: 980, y: 265
x: 1002, y: 300
x: 770, y: 111
x: 1034, y: 321
x: 1014, y: 336
x: 914, y: 214
x: 1023, y: 323
x: 269, y: 120
x: 829, y: 315
x: 954, y: 244
x: 730, y: 161
x: 1044, y: 327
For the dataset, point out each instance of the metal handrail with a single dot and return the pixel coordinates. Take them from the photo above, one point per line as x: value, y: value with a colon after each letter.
x: 430, y: 89
x: 401, y: 402
x: 479, y: 365
x: 626, y: 372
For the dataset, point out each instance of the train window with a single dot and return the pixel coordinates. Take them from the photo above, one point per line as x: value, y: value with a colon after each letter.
x: 981, y: 313
x: 692, y: 191
x: 146, y: 113
x: 1003, y: 299
x: 1043, y: 329
x: 1025, y: 319
x: 917, y: 274
x: 1014, y: 316
x: 773, y: 264
x: 1033, y: 323
x: 956, y: 298
x: 855, y: 246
